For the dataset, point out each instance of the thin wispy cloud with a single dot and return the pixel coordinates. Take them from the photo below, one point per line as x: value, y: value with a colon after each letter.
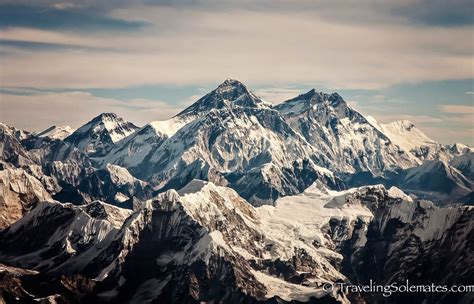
x: 457, y: 109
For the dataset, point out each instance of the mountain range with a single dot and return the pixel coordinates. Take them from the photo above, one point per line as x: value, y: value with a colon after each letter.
x: 233, y: 200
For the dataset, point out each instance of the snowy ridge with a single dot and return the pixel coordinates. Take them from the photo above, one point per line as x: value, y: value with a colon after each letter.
x: 171, y: 126
x: 404, y: 134
x: 14, y: 132
x: 229, y: 94
x: 439, y: 176
x: 100, y: 134
x: 55, y: 132
x: 342, y: 138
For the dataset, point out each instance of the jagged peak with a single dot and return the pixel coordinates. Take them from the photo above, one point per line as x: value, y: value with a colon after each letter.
x: 230, y: 82
x: 106, y: 116
x: 109, y: 120
x: 56, y: 132
x: 230, y: 93
x: 306, y: 101
x: 105, y: 123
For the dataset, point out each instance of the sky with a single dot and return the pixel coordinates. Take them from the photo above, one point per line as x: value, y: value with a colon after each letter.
x: 64, y: 62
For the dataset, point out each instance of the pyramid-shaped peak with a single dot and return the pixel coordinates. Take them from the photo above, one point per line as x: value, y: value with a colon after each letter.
x: 229, y: 94
x: 106, y: 116
x: 231, y: 82
x: 231, y: 85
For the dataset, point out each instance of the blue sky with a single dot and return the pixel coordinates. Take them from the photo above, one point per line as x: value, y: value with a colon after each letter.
x: 63, y: 62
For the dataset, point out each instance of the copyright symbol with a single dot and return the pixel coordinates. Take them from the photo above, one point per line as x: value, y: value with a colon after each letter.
x: 327, y: 287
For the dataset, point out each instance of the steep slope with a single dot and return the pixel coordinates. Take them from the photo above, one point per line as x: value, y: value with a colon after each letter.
x: 411, y: 139
x: 112, y: 184
x: 420, y: 243
x: 465, y: 164
x: 19, y: 193
x: 344, y: 140
x: 55, y: 132
x: 383, y: 237
x: 459, y: 149
x: 66, y: 239
x: 229, y: 94
x: 12, y: 152
x: 133, y: 150
x: 436, y: 180
x: 99, y: 135
x: 252, y: 150
x: 14, y: 132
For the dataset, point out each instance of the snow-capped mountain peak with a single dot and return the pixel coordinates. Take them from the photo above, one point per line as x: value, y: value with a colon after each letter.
x: 309, y: 101
x: 100, y: 133
x: 343, y: 138
x: 406, y: 135
x: 115, y: 125
x: 55, y: 132
x: 229, y: 94
x: 14, y: 132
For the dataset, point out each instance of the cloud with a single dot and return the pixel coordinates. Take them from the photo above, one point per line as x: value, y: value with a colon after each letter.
x: 62, y: 17
x: 457, y: 109
x: 436, y: 12
x: 39, y: 111
x: 34, y: 45
x: 185, y: 46
x: 417, y: 12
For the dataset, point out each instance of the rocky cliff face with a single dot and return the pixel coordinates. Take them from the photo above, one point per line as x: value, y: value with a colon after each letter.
x: 20, y: 192
x: 418, y: 242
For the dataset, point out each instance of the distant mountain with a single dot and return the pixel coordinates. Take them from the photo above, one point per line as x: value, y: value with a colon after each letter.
x: 99, y: 135
x: 464, y: 163
x: 55, y: 132
x: 408, y: 137
x: 229, y: 94
x: 436, y: 180
x: 344, y: 140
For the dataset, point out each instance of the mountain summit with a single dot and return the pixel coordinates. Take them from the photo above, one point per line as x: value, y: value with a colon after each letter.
x: 229, y: 94
x: 98, y: 135
x: 343, y: 139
